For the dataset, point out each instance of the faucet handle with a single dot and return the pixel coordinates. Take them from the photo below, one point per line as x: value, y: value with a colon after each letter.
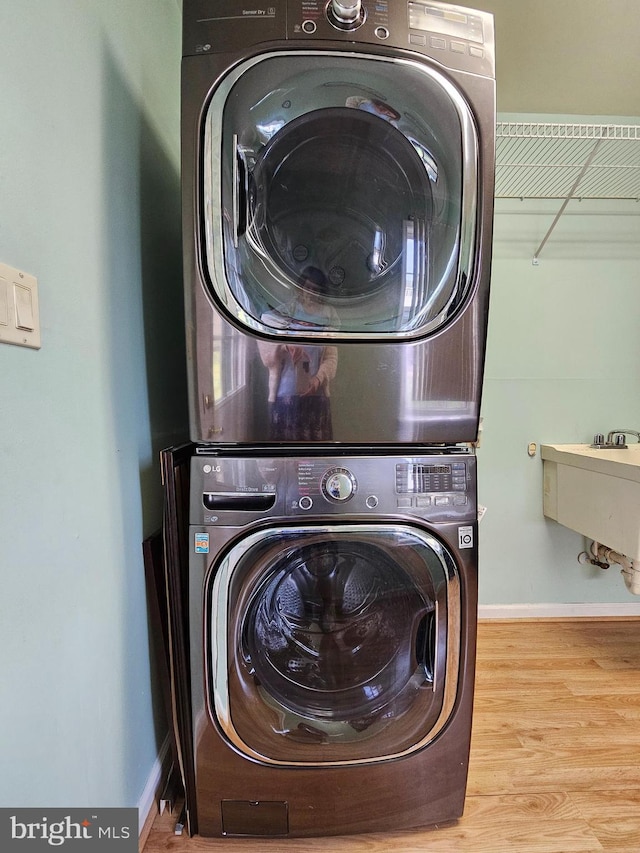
x: 598, y: 440
x: 619, y: 439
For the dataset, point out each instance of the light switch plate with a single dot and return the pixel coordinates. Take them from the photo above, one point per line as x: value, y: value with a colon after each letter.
x: 19, y: 310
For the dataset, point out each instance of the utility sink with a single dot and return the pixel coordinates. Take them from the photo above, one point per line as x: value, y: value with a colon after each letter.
x: 595, y: 492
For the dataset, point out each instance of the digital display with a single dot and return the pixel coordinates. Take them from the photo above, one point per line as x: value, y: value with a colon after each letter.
x: 413, y: 479
x: 448, y: 22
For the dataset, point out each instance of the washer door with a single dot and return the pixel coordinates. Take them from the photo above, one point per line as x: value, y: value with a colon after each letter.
x: 340, y: 196
x: 333, y: 645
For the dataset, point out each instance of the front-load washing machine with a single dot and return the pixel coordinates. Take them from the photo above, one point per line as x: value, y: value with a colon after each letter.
x: 338, y: 163
x: 332, y: 623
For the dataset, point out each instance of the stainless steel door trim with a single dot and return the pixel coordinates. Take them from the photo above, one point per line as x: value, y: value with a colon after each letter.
x: 212, y: 201
x: 217, y: 633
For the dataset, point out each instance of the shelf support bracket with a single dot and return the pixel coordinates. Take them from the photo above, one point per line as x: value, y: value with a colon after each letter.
x: 536, y: 255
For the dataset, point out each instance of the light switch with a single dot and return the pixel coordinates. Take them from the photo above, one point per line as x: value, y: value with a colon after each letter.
x: 24, y: 307
x: 19, y: 312
x: 4, y: 302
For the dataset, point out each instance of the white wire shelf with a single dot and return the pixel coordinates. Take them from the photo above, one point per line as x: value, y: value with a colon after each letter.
x: 560, y: 161
x: 566, y: 161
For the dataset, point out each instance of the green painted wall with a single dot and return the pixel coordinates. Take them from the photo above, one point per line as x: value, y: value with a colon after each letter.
x: 89, y: 204
x: 562, y: 364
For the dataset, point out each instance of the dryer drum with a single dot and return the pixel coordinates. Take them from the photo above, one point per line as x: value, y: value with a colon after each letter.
x: 338, y: 631
x: 334, y: 189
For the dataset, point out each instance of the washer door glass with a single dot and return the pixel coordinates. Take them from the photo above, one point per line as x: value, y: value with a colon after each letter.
x: 339, y: 196
x: 335, y: 644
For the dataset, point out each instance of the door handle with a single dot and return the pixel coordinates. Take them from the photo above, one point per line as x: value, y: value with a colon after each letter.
x: 239, y: 179
x: 426, y: 644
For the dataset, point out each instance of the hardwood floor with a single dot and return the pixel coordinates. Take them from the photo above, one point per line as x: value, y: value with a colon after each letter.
x: 555, y: 756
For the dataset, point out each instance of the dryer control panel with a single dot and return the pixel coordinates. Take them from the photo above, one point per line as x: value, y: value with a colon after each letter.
x: 455, y: 36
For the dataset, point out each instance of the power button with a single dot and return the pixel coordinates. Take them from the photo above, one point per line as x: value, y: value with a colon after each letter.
x: 305, y: 502
x: 309, y: 27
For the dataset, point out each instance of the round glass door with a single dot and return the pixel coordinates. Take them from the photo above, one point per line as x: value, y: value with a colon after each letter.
x: 337, y: 632
x: 335, y: 191
x: 339, y: 644
x: 339, y: 197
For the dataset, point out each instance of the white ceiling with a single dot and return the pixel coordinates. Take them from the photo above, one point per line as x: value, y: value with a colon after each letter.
x: 579, y: 57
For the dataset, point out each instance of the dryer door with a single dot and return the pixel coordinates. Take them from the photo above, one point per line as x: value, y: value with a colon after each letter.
x: 334, y: 644
x: 340, y: 196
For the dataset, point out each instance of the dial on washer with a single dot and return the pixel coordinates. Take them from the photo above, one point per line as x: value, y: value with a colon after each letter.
x: 338, y: 485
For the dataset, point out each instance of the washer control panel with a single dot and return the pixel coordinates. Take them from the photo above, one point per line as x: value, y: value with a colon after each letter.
x: 231, y: 490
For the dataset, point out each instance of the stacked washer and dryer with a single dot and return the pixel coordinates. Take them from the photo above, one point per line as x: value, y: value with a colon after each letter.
x: 338, y: 167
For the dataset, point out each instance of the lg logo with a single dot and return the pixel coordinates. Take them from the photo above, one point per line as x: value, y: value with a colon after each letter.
x: 212, y: 469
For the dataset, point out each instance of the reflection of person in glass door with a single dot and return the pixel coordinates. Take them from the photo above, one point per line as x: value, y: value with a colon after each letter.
x: 300, y: 374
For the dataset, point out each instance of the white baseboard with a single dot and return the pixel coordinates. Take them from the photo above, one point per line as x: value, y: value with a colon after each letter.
x: 152, y: 790
x: 558, y: 611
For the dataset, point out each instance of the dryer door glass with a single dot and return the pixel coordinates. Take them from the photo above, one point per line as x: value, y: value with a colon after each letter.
x: 339, y: 197
x: 339, y: 645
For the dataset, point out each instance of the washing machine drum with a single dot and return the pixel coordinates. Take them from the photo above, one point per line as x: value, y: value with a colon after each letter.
x: 334, y: 189
x: 337, y: 631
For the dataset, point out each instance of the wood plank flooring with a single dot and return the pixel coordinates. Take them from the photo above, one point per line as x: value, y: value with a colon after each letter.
x: 555, y: 756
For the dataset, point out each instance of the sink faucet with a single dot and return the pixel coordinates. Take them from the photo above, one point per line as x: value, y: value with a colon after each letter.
x: 625, y: 432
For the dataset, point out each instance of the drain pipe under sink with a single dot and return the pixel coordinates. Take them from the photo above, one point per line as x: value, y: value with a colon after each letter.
x: 603, y: 557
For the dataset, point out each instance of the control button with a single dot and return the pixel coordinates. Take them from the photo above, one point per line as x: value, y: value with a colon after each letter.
x: 382, y: 33
x: 417, y: 38
x: 372, y: 501
x: 458, y: 47
x: 476, y: 51
x: 305, y: 502
x: 442, y: 500
x: 439, y: 43
x: 459, y: 500
x: 403, y: 503
x: 423, y: 500
x: 309, y: 27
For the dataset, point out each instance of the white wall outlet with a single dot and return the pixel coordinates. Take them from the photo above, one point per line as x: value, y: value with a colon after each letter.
x: 19, y: 310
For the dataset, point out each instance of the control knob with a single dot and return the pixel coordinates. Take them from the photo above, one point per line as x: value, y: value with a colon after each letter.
x: 346, y: 14
x: 338, y: 485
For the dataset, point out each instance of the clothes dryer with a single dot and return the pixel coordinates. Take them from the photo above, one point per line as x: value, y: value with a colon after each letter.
x: 332, y: 608
x: 338, y: 165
